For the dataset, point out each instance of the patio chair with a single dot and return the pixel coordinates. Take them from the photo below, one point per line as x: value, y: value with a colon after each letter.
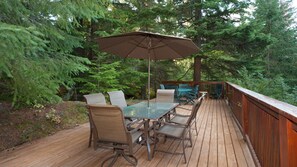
x: 182, y: 119
x: 177, y: 131
x: 165, y: 95
x: 162, y: 86
x: 96, y: 98
x: 117, y: 98
x: 183, y: 93
x: 218, y: 91
x: 110, y: 132
x: 187, y: 86
x: 191, y: 96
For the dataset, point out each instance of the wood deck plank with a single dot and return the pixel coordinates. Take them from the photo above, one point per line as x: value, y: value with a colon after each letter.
x: 213, y: 150
x: 202, y: 121
x: 203, y: 160
x: 219, y: 143
x: 231, y: 158
x: 235, y: 141
x: 222, y: 156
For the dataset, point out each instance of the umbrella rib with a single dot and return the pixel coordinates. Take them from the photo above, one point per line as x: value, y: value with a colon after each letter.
x: 137, y: 45
x: 164, y: 44
x: 175, y: 52
x: 117, y: 43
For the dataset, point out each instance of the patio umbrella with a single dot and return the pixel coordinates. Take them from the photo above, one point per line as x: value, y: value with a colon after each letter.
x: 146, y: 45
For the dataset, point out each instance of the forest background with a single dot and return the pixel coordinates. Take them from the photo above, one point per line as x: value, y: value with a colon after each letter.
x: 48, y: 53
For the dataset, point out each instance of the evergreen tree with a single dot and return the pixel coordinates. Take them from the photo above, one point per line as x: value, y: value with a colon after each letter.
x: 270, y: 51
x: 279, y: 27
x: 212, y: 25
x: 37, y: 40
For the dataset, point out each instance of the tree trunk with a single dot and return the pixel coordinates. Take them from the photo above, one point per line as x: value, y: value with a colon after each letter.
x: 197, y: 69
x: 197, y: 40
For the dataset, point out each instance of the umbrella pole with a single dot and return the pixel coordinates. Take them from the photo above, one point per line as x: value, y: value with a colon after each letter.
x: 149, y: 72
x: 149, y: 81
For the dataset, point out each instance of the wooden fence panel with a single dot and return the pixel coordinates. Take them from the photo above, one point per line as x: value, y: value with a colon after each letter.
x: 263, y: 133
x: 292, y: 144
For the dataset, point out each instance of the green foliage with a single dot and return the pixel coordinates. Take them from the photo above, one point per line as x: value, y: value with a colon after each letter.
x: 279, y: 28
x: 101, y: 78
x: 271, y: 51
x: 133, y: 76
x: 213, y: 25
x: 274, y: 87
x: 221, y: 62
x: 116, y: 75
x: 46, y: 44
x: 37, y: 40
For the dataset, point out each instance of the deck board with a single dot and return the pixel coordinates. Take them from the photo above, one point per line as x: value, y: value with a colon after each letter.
x: 202, y: 121
x: 218, y: 143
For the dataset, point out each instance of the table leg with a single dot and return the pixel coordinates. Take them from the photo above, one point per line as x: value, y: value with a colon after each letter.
x: 147, y: 136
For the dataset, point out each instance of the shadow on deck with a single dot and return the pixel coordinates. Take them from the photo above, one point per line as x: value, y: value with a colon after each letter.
x: 218, y: 143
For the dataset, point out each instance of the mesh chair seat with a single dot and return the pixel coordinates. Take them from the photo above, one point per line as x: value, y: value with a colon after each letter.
x: 171, y: 130
x: 180, y: 119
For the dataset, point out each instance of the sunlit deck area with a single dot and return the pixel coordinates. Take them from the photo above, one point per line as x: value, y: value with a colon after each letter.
x: 218, y: 143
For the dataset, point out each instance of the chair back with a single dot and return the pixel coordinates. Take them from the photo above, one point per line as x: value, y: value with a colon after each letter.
x: 96, y: 98
x: 117, y: 98
x: 165, y: 95
x: 195, y: 109
x: 195, y: 90
x: 162, y: 86
x: 108, y: 122
x: 187, y: 86
x: 218, y: 90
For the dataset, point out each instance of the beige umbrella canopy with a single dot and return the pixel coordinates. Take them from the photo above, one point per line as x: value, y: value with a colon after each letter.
x: 146, y: 45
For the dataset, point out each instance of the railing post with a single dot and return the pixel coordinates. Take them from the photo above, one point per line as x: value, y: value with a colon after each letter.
x: 283, y: 138
x: 245, y: 115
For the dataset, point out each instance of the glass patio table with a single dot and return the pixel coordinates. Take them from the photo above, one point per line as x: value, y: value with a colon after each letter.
x: 155, y: 111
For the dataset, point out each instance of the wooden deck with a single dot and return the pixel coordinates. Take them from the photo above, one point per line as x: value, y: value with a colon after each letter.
x: 218, y: 143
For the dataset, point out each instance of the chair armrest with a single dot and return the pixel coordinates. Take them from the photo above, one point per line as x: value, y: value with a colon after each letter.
x: 176, y: 114
x: 139, y: 123
x: 181, y: 115
x: 184, y: 108
x: 167, y: 123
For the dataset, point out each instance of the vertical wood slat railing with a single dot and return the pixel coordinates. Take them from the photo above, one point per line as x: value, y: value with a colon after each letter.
x: 269, y: 126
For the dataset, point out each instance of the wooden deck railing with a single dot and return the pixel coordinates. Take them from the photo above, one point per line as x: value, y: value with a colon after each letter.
x: 269, y: 126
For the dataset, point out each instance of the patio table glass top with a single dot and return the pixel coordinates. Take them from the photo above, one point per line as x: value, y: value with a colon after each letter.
x: 154, y: 111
